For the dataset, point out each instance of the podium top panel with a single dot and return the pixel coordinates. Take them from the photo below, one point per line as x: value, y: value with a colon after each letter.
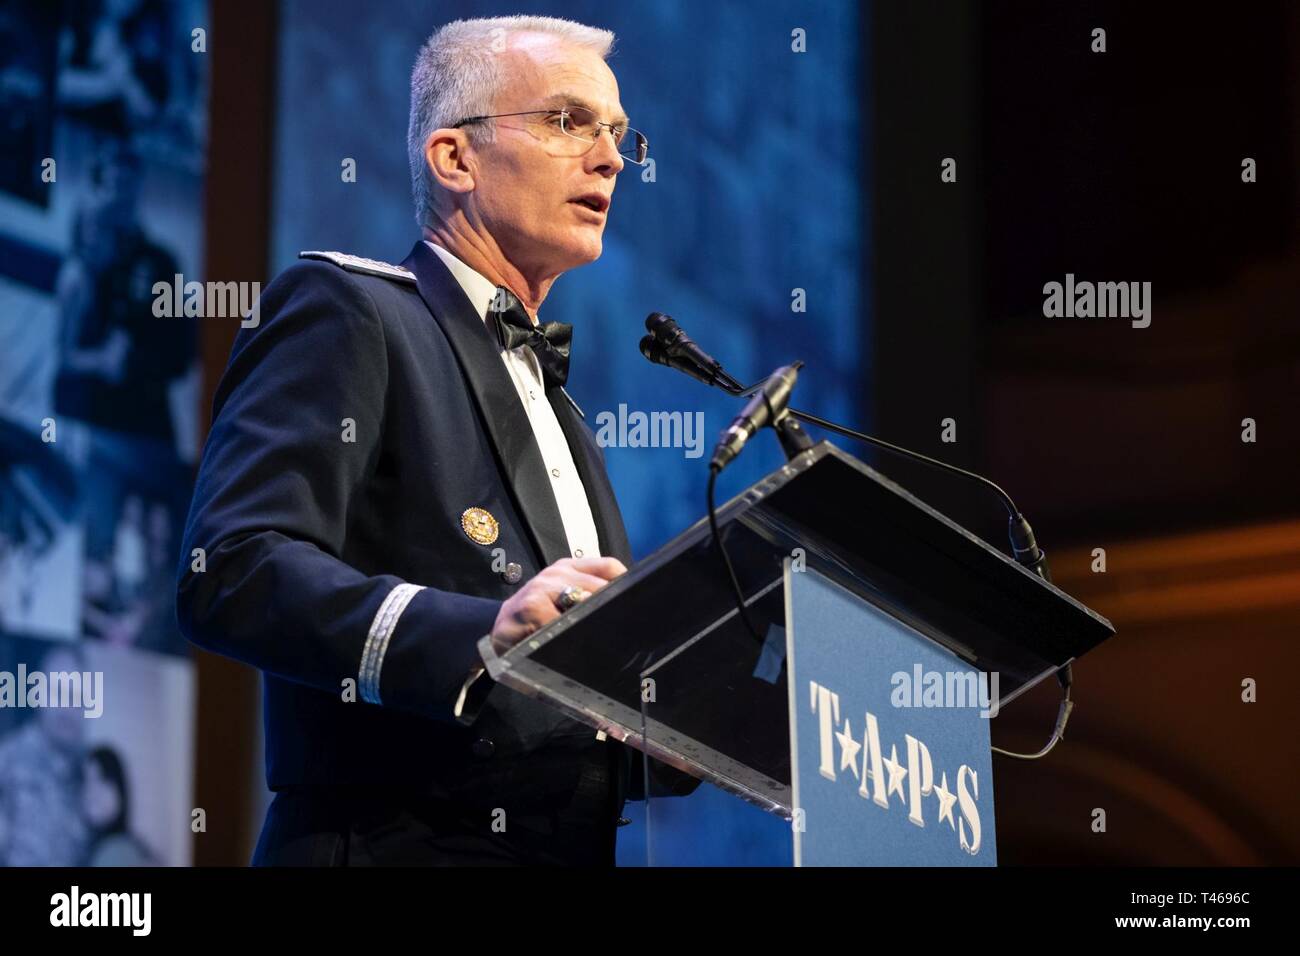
x: 873, y: 536
x: 879, y: 540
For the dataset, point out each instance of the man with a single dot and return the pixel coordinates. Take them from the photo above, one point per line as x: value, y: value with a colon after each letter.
x: 385, y: 438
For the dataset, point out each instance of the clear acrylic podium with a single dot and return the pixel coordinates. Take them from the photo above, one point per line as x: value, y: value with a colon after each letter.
x: 860, y: 594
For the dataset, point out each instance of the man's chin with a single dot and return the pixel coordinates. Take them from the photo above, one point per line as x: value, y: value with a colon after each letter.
x: 584, y: 252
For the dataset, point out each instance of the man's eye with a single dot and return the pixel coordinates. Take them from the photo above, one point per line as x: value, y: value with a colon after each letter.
x: 581, y: 119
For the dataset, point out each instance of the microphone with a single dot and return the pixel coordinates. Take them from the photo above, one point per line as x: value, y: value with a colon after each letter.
x: 677, y: 344
x: 654, y: 350
x: 767, y: 407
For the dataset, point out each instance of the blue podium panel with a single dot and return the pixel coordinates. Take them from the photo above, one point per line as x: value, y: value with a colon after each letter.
x: 889, y: 736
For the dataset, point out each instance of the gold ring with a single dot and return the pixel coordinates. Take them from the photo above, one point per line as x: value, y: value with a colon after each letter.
x: 571, y: 597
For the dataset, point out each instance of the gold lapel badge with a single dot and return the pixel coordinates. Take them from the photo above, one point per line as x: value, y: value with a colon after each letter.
x: 479, y: 525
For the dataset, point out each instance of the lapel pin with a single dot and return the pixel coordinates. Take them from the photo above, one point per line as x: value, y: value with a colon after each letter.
x: 479, y: 525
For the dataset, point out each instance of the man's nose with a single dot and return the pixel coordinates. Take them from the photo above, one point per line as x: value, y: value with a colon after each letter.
x: 604, y: 156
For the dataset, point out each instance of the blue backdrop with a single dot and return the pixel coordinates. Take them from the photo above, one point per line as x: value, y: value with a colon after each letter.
x: 758, y: 191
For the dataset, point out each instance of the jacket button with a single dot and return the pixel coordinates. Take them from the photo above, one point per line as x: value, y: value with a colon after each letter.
x: 512, y: 573
x: 483, y: 748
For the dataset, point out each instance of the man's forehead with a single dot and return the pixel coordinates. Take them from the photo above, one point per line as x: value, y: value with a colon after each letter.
x: 549, y: 71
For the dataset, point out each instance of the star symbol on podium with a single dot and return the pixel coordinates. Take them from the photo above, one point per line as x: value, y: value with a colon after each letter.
x: 848, y: 749
x: 896, y: 773
x: 946, y: 800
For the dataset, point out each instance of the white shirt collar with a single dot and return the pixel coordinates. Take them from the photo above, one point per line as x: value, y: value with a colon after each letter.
x: 478, y: 288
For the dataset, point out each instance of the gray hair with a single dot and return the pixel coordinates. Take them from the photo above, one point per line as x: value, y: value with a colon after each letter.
x: 458, y: 74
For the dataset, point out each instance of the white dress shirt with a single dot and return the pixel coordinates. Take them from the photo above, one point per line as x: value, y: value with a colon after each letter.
x: 526, y: 372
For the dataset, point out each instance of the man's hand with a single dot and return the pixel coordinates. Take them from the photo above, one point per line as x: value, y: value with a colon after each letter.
x: 534, y: 605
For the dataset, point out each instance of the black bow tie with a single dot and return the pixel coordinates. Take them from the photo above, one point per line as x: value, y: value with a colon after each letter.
x: 549, y: 341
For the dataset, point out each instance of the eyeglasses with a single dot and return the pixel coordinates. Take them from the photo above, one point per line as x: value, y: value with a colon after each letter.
x: 580, y: 123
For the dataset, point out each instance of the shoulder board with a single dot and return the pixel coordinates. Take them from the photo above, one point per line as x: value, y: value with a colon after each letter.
x: 360, y: 264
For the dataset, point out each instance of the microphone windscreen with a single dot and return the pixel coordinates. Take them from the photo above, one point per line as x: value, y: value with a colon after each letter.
x: 656, y: 321
x: 653, y: 351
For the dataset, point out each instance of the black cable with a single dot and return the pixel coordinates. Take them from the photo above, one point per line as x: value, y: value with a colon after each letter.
x: 1058, y: 732
x: 812, y: 419
x: 1024, y: 547
x: 726, y: 559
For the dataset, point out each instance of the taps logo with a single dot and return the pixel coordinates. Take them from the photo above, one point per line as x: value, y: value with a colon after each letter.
x: 879, y: 778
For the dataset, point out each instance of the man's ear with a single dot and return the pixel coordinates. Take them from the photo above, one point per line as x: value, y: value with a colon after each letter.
x: 449, y: 155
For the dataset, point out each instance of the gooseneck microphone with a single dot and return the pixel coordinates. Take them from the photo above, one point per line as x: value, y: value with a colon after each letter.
x: 767, y: 407
x: 679, y: 351
x: 655, y: 352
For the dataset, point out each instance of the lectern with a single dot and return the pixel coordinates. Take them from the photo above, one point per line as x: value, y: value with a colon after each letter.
x: 884, y: 638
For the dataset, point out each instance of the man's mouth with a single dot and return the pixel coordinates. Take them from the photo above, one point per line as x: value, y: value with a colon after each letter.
x: 596, y: 202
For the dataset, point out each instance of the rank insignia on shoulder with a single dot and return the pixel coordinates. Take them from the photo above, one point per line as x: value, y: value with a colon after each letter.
x: 479, y: 525
x: 361, y: 264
